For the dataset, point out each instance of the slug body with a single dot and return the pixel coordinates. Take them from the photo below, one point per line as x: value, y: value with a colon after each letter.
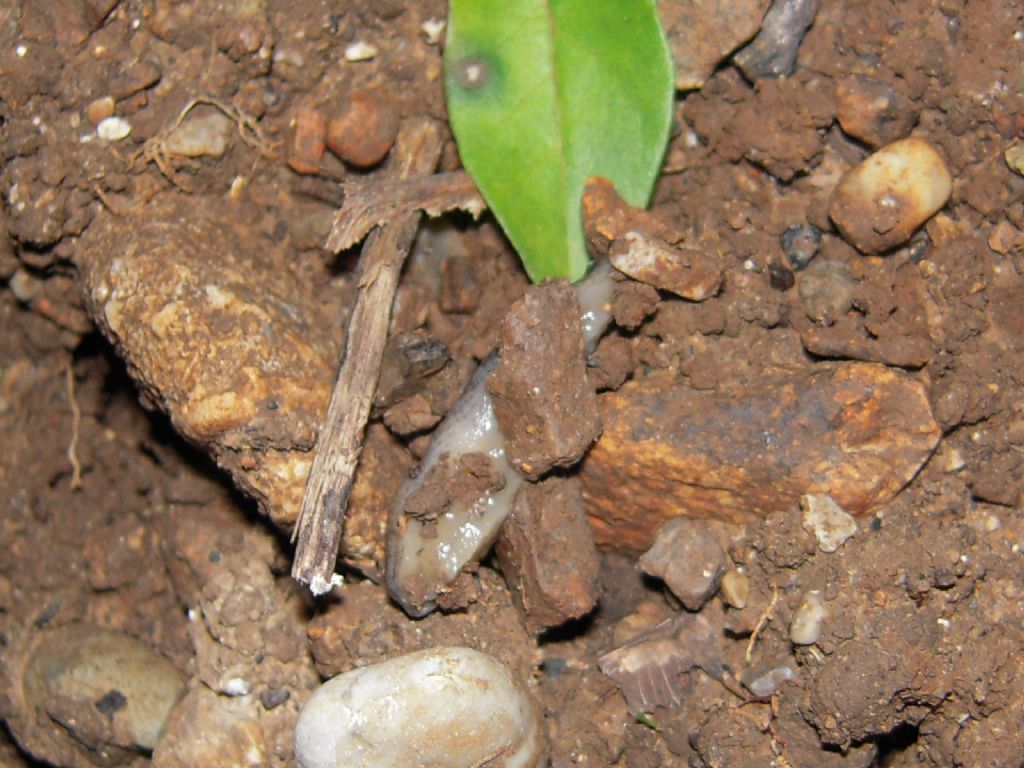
x: 424, y: 557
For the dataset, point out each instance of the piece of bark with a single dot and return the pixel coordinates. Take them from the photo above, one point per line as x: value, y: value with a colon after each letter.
x: 548, y: 556
x: 650, y: 668
x: 856, y: 431
x: 641, y: 246
x: 543, y: 400
x: 322, y: 514
x: 371, y: 204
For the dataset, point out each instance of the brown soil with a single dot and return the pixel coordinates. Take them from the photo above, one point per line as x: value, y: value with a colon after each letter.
x: 120, y: 462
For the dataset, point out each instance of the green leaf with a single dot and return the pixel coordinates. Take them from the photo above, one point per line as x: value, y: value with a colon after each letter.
x: 543, y: 94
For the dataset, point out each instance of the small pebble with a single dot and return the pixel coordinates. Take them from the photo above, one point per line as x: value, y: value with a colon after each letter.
x: 826, y: 291
x: 274, y: 697
x: 110, y: 688
x: 363, y: 130
x: 735, y: 589
x: 766, y: 682
x: 773, y: 52
x: 805, y: 628
x: 880, y: 203
x: 830, y: 524
x: 113, y: 129
x: 689, y: 558
x: 800, y: 243
x: 99, y: 110
x: 780, y: 278
x: 26, y: 286
x: 872, y: 111
x: 1014, y: 157
x: 202, y: 133
x: 307, y: 140
x: 361, y: 51
x: 433, y: 28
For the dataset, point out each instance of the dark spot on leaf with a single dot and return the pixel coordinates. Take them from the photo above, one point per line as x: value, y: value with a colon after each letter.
x: 471, y: 72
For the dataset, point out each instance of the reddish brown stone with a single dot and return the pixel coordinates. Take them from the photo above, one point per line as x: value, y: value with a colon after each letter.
x: 643, y: 247
x: 873, y: 111
x: 856, y: 431
x: 547, y: 553
x: 543, y: 400
x: 364, y: 129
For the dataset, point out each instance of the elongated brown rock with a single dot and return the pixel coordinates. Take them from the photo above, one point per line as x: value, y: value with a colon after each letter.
x: 547, y: 554
x: 856, y: 431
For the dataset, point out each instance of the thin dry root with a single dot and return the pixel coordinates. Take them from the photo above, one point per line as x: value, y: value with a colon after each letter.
x: 76, y: 427
x: 762, y: 623
x: 155, y: 150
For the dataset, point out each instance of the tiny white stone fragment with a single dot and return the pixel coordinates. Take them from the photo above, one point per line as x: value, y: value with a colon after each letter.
x: 113, y: 129
x: 21, y: 51
x: 828, y: 522
x: 360, y: 51
x: 805, y: 629
x: 237, y: 686
x: 433, y: 28
x: 201, y: 133
x: 443, y: 707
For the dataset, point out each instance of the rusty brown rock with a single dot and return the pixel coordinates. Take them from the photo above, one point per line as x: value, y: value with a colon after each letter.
x: 306, y: 140
x: 641, y: 246
x: 872, y: 111
x: 702, y: 33
x: 856, y: 431
x: 543, y: 400
x: 364, y: 129
x: 547, y: 553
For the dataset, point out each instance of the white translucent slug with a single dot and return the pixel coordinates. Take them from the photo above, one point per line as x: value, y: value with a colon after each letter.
x: 424, y: 558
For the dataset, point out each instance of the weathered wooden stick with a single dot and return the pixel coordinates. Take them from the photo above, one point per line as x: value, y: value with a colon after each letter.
x: 322, y: 515
x: 371, y: 203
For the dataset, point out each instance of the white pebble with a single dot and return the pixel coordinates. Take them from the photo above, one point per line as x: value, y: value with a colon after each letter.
x: 360, y: 51
x: 880, y: 203
x: 201, y: 133
x: 736, y: 589
x: 237, y: 686
x: 805, y: 629
x: 830, y: 524
x: 443, y: 707
x: 433, y: 29
x: 113, y: 129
